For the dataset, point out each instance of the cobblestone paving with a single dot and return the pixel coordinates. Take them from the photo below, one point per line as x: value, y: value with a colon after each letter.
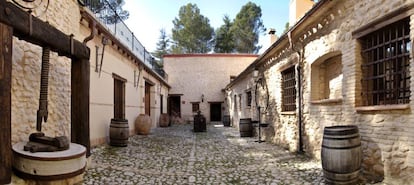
x: 176, y: 155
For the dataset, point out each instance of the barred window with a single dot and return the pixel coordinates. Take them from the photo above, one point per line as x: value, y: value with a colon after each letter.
x: 249, y: 98
x: 195, y: 106
x: 289, y: 90
x: 385, y: 67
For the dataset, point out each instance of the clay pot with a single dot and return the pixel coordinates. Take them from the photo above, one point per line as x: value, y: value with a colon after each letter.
x: 164, y: 120
x: 143, y: 124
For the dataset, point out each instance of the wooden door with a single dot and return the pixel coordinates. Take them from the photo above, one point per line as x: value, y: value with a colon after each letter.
x: 147, y: 98
x: 119, y: 99
x: 6, y: 35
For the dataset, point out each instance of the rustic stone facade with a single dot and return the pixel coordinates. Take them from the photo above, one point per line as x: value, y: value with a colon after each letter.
x: 26, y: 78
x: 66, y: 16
x: 324, y: 46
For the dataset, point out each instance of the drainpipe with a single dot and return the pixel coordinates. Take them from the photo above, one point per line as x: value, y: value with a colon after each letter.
x: 299, y: 71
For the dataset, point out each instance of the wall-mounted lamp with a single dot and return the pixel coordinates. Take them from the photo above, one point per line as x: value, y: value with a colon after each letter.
x: 202, y: 97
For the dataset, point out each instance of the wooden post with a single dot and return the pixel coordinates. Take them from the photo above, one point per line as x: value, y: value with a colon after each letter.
x: 6, y: 35
x: 80, y: 103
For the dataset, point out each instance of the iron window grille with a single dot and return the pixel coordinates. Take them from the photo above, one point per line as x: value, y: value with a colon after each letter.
x: 196, y: 107
x: 249, y: 98
x: 289, y: 90
x: 385, y: 67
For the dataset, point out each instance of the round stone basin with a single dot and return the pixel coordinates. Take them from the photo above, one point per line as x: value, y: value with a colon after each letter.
x: 48, y: 166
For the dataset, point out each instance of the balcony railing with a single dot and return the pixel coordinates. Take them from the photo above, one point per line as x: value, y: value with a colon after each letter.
x: 108, y: 16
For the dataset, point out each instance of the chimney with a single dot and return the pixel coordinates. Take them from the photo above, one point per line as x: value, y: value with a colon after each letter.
x: 273, y: 36
x: 298, y: 9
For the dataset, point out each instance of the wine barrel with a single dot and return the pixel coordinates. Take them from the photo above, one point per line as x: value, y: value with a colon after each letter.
x: 199, y: 123
x: 341, y: 154
x: 226, y: 120
x: 118, y: 132
x: 246, y: 127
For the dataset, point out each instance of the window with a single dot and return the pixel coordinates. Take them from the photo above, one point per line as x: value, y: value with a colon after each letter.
x: 240, y: 102
x: 196, y: 106
x: 235, y: 102
x: 249, y: 98
x: 385, y: 67
x: 326, y: 77
x: 289, y: 90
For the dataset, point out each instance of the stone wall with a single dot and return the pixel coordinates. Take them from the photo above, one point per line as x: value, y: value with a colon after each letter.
x: 386, y: 134
x: 65, y: 16
x: 26, y: 78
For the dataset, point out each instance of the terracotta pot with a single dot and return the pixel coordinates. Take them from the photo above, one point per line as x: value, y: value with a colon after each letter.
x: 164, y: 120
x: 143, y: 124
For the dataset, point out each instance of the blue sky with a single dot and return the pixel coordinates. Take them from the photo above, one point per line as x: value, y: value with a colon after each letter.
x: 147, y: 17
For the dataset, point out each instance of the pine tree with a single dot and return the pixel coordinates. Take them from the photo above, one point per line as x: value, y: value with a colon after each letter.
x: 163, y: 45
x: 224, y: 37
x: 109, y: 10
x: 192, y: 32
x: 246, y: 27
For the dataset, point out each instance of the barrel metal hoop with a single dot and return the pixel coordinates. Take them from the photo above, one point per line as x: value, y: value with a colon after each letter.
x: 348, y: 147
x: 341, y: 138
x: 340, y: 132
x: 342, y: 173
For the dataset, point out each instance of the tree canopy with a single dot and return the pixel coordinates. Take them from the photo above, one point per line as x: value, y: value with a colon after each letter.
x: 109, y: 10
x: 163, y: 45
x: 192, y: 32
x: 246, y: 27
x: 224, y: 37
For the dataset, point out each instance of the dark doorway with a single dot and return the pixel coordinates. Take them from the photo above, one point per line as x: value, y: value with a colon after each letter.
x: 161, y: 104
x: 215, y: 111
x: 147, y: 98
x: 174, y: 106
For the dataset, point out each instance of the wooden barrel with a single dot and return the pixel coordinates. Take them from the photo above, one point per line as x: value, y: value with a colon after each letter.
x: 246, y: 127
x: 341, y: 154
x: 199, y: 123
x: 118, y: 132
x: 226, y: 120
x: 164, y: 120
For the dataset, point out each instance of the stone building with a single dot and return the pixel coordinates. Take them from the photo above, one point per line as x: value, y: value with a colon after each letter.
x: 120, y: 63
x: 197, y: 82
x: 119, y: 82
x: 342, y: 63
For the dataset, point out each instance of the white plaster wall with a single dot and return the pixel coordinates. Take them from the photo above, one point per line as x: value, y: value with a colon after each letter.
x: 197, y: 74
x: 101, y: 92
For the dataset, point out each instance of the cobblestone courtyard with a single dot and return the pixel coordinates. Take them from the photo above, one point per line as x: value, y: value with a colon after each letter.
x: 176, y: 155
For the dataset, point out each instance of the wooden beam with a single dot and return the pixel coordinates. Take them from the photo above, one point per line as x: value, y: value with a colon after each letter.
x: 36, y: 31
x: 80, y: 84
x: 6, y: 35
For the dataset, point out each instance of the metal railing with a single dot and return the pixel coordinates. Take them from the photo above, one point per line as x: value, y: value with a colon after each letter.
x: 108, y: 15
